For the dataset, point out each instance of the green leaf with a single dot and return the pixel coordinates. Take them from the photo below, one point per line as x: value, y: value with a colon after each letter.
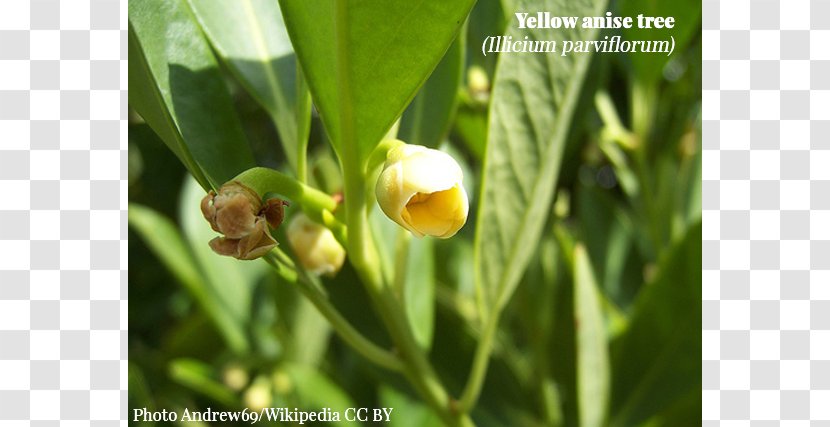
x: 648, y: 67
x: 657, y: 360
x: 531, y: 112
x: 419, y: 289
x: 176, y: 87
x: 409, y: 263
x: 406, y: 412
x: 366, y: 60
x: 316, y: 390
x: 591, y: 344
x: 487, y: 18
x: 250, y: 36
x: 608, y: 234
x: 384, y: 232
x: 310, y: 333
x: 162, y: 236
x: 471, y: 126
x: 230, y: 281
x: 427, y: 119
x: 138, y: 392
x: 201, y: 378
x: 164, y: 239
x: 684, y: 412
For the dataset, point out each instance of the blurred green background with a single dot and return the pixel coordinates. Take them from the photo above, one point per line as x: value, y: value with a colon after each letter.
x: 207, y: 331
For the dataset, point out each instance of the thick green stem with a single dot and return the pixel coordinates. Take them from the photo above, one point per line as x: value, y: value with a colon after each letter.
x: 315, y: 203
x: 364, y: 258
x: 265, y: 180
x: 362, y: 252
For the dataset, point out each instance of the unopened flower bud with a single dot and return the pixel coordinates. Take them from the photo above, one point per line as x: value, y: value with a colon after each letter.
x: 478, y: 84
x: 239, y: 214
x: 316, y: 247
x: 421, y: 190
x: 258, y: 395
x: 235, y: 377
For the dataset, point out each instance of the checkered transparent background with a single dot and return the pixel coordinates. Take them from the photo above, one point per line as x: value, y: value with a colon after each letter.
x: 766, y: 209
x: 63, y: 154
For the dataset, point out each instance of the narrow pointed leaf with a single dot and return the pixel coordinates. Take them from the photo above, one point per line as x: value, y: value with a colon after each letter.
x: 250, y: 36
x: 176, y: 86
x: 163, y: 238
x: 593, y: 368
x: 365, y: 60
x: 427, y: 119
x: 657, y: 360
x: 532, y: 107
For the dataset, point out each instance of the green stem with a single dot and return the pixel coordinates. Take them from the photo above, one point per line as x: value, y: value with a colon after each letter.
x: 315, y: 203
x: 265, y: 180
x: 340, y: 325
x: 364, y: 258
x: 608, y: 114
x: 362, y: 252
x: 643, y: 100
x: 401, y: 258
x: 481, y: 360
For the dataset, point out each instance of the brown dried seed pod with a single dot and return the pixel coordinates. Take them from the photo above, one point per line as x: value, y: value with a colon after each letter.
x: 238, y: 213
x: 274, y: 211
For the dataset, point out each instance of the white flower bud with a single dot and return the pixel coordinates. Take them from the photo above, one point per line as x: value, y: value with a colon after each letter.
x: 420, y: 189
x: 316, y: 247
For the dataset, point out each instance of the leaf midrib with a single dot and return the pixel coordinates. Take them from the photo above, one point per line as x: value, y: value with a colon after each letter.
x: 567, y: 108
x: 261, y: 50
x: 565, y: 111
x: 342, y: 75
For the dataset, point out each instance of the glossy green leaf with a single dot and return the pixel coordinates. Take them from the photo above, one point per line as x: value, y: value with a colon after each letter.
x: 250, y: 36
x: 177, y: 88
x: 427, y: 119
x: 657, y: 360
x: 365, y: 60
x: 164, y: 239
x: 593, y: 368
x: 531, y: 112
